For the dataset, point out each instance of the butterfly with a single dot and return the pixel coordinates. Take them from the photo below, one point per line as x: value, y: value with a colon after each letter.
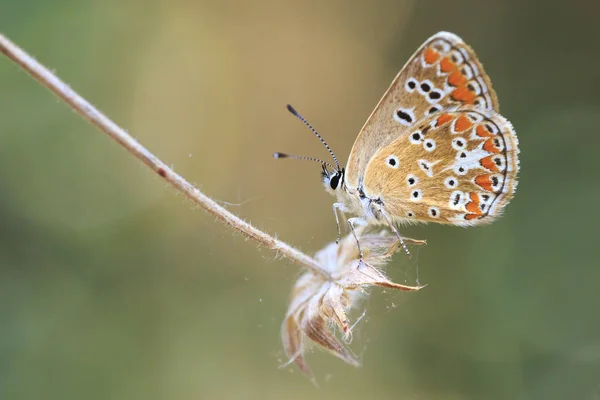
x: 435, y: 149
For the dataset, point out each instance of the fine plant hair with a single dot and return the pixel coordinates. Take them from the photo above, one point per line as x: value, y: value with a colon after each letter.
x: 333, y: 280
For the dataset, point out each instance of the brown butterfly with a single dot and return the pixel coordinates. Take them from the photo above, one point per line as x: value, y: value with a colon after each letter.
x: 435, y: 149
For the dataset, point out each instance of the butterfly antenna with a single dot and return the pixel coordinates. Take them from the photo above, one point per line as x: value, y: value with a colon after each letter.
x: 284, y: 155
x: 301, y: 118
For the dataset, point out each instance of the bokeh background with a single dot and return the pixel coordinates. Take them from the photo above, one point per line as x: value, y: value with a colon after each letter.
x: 113, y: 286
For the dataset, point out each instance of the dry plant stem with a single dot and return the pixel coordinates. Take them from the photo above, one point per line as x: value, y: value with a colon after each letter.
x: 89, y: 112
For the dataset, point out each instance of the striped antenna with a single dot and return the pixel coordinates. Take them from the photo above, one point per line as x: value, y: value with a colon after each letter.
x: 284, y: 155
x: 301, y: 118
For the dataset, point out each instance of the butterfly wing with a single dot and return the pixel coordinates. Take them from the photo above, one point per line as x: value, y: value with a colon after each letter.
x: 456, y: 167
x: 443, y: 72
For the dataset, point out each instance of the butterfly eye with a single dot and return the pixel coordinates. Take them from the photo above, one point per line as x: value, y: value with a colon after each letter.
x: 393, y: 162
x: 335, y: 181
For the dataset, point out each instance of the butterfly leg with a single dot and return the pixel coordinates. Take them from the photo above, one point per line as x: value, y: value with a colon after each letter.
x: 352, y: 223
x: 336, y: 207
x: 393, y: 228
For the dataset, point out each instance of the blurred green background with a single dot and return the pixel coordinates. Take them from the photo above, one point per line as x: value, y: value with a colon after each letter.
x: 112, y: 286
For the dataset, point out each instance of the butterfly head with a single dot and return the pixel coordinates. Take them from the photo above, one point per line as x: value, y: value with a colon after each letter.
x: 332, y: 180
x: 332, y: 176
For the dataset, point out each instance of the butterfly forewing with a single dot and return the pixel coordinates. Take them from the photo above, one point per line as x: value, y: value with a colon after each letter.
x: 444, y: 72
x: 456, y: 167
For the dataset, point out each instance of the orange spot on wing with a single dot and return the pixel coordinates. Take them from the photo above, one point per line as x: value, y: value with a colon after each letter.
x: 446, y: 65
x: 482, y: 131
x: 473, y: 205
x: 490, y: 147
x: 485, y: 182
x: 462, y: 124
x: 463, y: 94
x: 442, y: 119
x: 457, y: 79
x: 431, y: 55
x: 489, y: 164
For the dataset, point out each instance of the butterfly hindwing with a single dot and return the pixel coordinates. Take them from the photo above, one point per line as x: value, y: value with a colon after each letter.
x: 444, y: 72
x: 456, y: 167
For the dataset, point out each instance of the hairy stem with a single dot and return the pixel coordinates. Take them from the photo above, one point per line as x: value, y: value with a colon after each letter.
x: 95, y: 117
